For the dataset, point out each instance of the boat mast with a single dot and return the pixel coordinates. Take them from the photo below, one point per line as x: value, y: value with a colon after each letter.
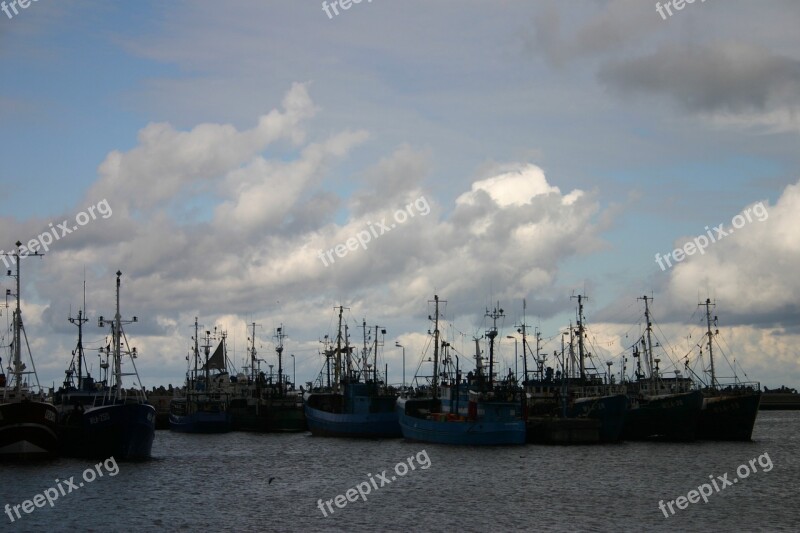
x: 206, y: 351
x: 80, y: 321
x: 540, y: 362
x: 375, y: 359
x: 580, y: 336
x: 708, y: 305
x: 15, y: 258
x: 364, y: 353
x: 117, y: 342
x: 196, y: 356
x: 17, y: 328
x: 436, y: 347
x: 253, y: 375
x: 337, y: 370
x: 522, y: 329
x: 492, y: 333
x: 649, y: 346
x: 279, y: 350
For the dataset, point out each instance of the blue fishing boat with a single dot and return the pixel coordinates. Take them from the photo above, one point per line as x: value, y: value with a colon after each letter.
x: 203, y: 407
x: 357, y: 403
x: 103, y: 419
x: 471, y: 411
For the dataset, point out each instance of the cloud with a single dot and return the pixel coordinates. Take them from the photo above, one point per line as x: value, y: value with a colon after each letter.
x: 168, y: 162
x: 722, y: 78
x: 750, y: 271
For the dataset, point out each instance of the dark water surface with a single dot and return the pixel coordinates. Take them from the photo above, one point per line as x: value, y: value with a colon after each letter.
x: 222, y: 483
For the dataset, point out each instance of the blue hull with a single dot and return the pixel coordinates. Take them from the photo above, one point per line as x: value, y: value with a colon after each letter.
x: 361, y: 425
x: 462, y: 432
x: 122, y: 431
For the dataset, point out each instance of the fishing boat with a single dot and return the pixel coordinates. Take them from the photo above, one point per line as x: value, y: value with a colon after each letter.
x: 358, y: 404
x: 473, y: 411
x: 101, y: 419
x: 27, y: 421
x: 203, y: 406
x: 659, y: 407
x: 575, y: 404
x: 729, y: 409
x: 261, y: 403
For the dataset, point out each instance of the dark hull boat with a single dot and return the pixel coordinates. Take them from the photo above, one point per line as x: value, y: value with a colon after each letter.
x: 204, y: 405
x: 98, y: 420
x: 729, y: 417
x: 609, y: 411
x: 275, y: 416
x: 27, y: 430
x: 360, y: 405
x: 198, y: 414
x: 262, y: 405
x: 576, y: 405
x: 671, y: 417
x: 584, y: 419
x: 729, y: 412
x: 659, y: 407
x: 27, y: 423
x: 124, y: 431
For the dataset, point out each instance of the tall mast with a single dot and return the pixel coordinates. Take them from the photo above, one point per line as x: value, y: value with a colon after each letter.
x: 539, y: 363
x: 708, y: 305
x: 364, y: 352
x: 17, y: 371
x: 337, y: 370
x: 375, y: 358
x: 436, y: 347
x: 117, y: 341
x: 492, y: 333
x: 580, y: 336
x: 253, y: 376
x: 649, y: 346
x: 196, y: 355
x: 279, y: 350
x: 206, y: 351
x: 80, y: 321
x: 571, y: 350
x: 523, y: 329
x: 17, y: 328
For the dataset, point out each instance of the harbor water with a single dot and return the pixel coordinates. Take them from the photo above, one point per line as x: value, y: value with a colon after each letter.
x: 281, y: 482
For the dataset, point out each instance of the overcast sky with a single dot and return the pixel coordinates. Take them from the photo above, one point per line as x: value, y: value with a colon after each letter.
x: 538, y: 150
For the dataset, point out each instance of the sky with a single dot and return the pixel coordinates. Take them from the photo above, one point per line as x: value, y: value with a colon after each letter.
x: 263, y: 162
